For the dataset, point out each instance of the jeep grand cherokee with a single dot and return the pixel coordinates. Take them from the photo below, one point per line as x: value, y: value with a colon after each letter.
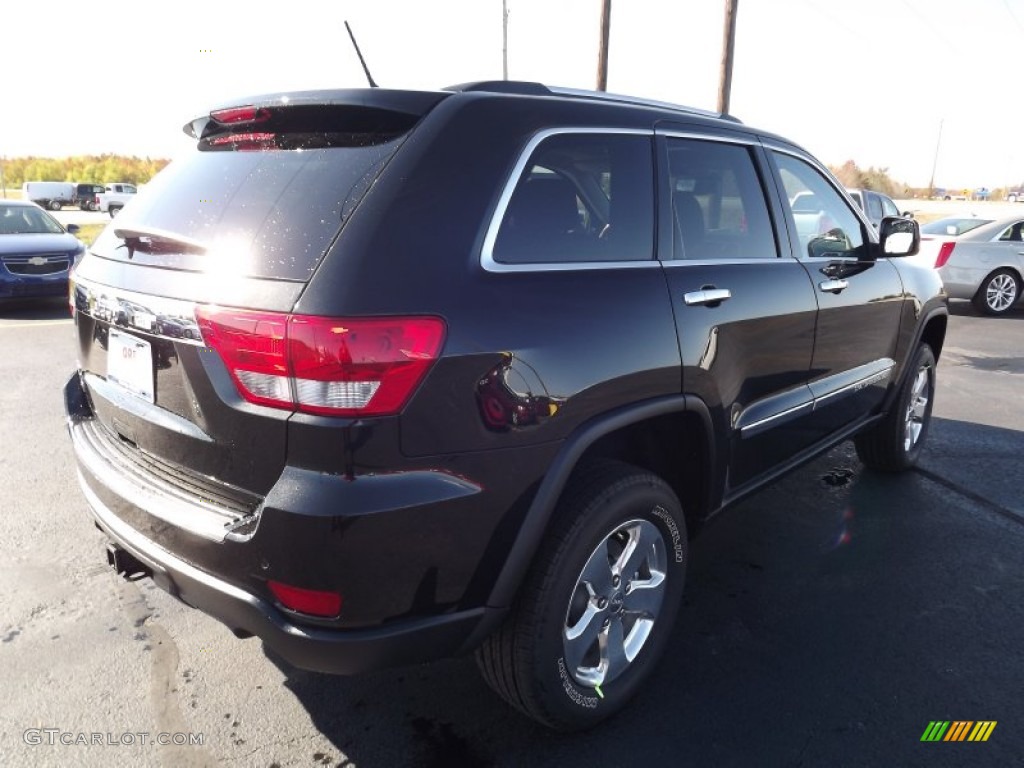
x: 385, y: 376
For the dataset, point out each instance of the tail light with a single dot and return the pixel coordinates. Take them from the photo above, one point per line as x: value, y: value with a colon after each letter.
x: 332, y: 366
x: 945, y: 251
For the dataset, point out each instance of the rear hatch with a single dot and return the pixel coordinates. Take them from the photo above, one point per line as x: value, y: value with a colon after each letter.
x: 242, y: 222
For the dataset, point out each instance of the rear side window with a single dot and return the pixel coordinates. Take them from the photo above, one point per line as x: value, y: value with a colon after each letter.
x: 581, y: 198
x: 874, y: 206
x: 271, y: 212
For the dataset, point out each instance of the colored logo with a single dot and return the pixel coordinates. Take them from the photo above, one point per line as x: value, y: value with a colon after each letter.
x: 959, y: 730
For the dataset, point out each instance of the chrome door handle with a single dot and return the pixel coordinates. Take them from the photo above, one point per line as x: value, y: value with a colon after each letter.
x: 706, y: 296
x: 833, y: 286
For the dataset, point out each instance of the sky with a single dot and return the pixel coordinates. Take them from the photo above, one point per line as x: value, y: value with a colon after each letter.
x: 899, y: 84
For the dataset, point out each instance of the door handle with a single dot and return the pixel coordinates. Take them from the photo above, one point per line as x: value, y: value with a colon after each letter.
x: 706, y: 296
x: 833, y: 286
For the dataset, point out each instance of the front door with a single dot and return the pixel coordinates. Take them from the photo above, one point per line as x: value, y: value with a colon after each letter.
x: 859, y: 298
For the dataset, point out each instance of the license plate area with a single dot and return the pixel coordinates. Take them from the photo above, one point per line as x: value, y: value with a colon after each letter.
x: 130, y: 363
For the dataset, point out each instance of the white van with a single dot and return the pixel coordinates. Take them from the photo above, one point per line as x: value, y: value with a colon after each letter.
x: 49, y: 194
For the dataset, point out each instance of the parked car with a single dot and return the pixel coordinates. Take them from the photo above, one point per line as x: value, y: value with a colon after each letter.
x: 85, y: 196
x: 978, y: 259
x: 49, y: 194
x: 378, y: 413
x: 114, y: 197
x: 876, y: 205
x: 1015, y: 195
x: 36, y: 252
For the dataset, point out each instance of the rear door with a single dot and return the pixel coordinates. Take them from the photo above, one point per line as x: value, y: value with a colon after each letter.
x: 745, y: 311
x: 860, y: 298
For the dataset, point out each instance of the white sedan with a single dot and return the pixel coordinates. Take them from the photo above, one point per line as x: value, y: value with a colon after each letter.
x: 978, y: 259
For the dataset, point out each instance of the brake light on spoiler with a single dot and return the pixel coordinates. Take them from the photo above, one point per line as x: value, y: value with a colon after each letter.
x: 367, y: 366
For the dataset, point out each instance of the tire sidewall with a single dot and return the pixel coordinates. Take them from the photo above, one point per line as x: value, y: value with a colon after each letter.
x: 924, y: 355
x: 982, y: 295
x: 570, y: 705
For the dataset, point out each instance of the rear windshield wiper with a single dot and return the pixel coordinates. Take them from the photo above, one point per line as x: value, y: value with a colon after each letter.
x: 157, y: 241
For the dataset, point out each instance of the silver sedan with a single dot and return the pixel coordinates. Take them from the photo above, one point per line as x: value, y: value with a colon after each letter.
x: 978, y: 259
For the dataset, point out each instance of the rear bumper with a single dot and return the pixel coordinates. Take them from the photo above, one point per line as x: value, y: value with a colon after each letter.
x: 334, y: 651
x: 298, y: 544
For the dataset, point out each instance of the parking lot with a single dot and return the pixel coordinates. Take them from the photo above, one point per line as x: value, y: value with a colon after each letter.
x: 827, y: 620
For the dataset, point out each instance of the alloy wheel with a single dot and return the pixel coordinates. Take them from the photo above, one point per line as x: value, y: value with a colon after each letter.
x: 615, y: 603
x: 1001, y: 292
x: 917, y: 408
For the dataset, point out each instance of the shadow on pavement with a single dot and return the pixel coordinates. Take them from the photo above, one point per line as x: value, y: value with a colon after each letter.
x: 826, y: 621
x: 982, y: 461
x: 35, y: 309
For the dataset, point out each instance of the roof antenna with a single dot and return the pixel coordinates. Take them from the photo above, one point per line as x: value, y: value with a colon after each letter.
x: 359, y: 53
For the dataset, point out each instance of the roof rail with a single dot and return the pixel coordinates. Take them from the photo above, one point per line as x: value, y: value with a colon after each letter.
x: 538, y: 89
x: 520, y: 87
x: 620, y: 98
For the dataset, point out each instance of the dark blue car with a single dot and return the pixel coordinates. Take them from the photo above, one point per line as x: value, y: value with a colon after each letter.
x: 36, y: 252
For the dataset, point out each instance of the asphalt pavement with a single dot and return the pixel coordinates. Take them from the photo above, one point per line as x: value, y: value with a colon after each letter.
x: 827, y: 620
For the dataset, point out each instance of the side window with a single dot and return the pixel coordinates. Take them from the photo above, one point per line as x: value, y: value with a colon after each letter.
x: 874, y: 207
x: 718, y: 204
x: 825, y: 225
x: 581, y: 198
x: 1012, y: 233
x: 889, y: 207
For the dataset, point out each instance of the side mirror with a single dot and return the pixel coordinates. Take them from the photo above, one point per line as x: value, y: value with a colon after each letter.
x: 899, y: 237
x: 72, y: 229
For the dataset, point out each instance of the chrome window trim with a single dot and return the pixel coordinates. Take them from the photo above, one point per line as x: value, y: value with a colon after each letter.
x: 669, y: 263
x: 487, y: 260
x: 671, y: 133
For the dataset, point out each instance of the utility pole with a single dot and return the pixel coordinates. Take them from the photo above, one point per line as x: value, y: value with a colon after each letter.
x: 504, y: 39
x: 935, y: 162
x: 602, y: 52
x: 728, y: 46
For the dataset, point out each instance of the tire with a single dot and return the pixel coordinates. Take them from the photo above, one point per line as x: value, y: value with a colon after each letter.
x: 894, y: 444
x: 998, y: 293
x: 113, y: 210
x: 609, y: 572
x: 54, y: 205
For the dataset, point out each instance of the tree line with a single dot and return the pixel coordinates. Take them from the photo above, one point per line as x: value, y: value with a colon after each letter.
x: 97, y: 169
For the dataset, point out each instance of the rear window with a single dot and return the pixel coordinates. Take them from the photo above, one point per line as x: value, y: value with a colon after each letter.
x: 270, y: 212
x: 953, y: 226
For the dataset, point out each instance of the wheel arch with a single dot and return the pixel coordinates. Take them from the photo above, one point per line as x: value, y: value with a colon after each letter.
x: 636, y: 435
x: 931, y: 331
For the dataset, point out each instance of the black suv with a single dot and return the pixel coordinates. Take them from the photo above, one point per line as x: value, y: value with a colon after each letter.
x: 385, y: 376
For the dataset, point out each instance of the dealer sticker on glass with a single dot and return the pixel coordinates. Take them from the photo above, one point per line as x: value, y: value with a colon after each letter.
x: 130, y: 363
